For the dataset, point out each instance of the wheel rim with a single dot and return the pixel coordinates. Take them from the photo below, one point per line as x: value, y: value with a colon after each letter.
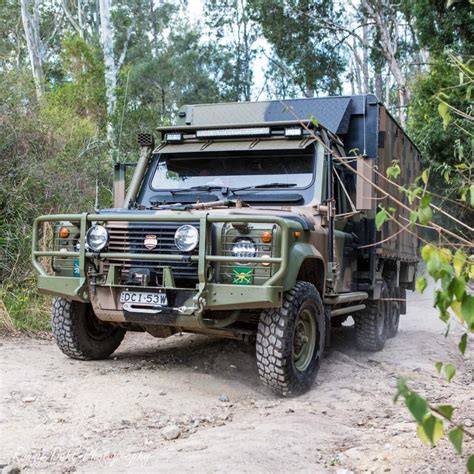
x: 95, y: 328
x: 304, y: 340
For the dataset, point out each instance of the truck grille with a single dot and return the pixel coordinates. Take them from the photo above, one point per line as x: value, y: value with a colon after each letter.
x: 130, y: 237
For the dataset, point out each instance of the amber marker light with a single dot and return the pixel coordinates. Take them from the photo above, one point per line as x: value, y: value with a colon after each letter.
x: 297, y: 234
x: 64, y: 232
x: 266, y: 237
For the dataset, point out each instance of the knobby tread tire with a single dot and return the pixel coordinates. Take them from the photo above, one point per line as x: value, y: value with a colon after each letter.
x: 274, y: 346
x: 394, y: 319
x: 366, y: 324
x: 69, y: 330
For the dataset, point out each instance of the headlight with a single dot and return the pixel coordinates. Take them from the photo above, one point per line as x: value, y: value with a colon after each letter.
x: 186, y: 238
x: 97, y: 238
x: 243, y: 248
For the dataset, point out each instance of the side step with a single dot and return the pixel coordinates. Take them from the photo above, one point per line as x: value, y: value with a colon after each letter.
x: 344, y: 298
x: 340, y: 303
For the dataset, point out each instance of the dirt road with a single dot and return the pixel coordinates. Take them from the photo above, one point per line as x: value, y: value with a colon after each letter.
x: 60, y: 415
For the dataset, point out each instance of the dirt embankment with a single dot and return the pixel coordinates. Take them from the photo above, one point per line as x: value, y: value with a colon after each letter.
x: 60, y: 415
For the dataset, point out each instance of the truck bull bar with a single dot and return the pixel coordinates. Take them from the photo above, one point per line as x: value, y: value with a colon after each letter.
x: 73, y: 287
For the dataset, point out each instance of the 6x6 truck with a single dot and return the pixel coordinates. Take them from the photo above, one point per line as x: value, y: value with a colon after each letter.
x: 248, y: 220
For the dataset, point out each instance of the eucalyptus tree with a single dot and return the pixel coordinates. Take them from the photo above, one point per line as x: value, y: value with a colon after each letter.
x: 298, y: 33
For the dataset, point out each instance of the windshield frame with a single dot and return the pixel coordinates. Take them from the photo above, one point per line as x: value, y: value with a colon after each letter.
x: 314, y: 155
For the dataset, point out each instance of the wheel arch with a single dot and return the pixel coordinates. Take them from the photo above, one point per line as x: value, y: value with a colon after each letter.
x: 306, y: 264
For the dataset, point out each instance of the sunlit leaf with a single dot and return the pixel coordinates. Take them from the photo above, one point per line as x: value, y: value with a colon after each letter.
x: 425, y: 200
x: 445, y: 255
x: 393, y: 171
x: 446, y: 410
x: 417, y: 406
x: 421, y: 284
x: 425, y: 175
x: 456, y: 307
x: 427, y: 250
x: 413, y: 217
x: 456, y: 436
x: 425, y: 214
x: 422, y: 435
x: 443, y: 110
x: 380, y: 218
x: 450, y: 371
x: 458, y: 261
x: 433, y: 428
x: 458, y: 287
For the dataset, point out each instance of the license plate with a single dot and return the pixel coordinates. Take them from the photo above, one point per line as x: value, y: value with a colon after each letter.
x: 140, y: 297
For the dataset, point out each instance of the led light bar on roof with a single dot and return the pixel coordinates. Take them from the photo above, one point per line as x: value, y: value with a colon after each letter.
x: 293, y: 132
x: 234, y: 132
x: 173, y: 137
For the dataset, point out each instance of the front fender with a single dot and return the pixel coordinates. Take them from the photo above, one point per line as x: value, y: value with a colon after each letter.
x: 300, y: 252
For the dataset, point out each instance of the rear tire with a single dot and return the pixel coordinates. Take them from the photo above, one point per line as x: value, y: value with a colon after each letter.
x: 394, y: 312
x: 371, y: 326
x: 290, y: 341
x: 80, y: 334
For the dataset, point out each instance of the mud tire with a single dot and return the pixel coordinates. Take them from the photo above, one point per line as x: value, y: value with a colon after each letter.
x: 79, y: 334
x: 371, y: 324
x: 394, y: 313
x: 276, y: 347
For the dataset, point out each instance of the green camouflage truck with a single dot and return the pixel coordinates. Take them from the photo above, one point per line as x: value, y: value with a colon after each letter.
x: 249, y: 221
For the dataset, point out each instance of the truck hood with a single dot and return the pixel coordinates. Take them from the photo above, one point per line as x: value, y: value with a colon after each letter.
x: 301, y: 218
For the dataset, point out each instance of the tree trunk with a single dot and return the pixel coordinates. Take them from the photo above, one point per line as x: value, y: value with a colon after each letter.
x: 107, y: 41
x: 34, y: 44
x: 365, y: 60
x: 387, y: 27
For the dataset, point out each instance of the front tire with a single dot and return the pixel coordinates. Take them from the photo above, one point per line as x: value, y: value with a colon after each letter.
x: 290, y: 341
x: 80, y: 334
x: 371, y: 324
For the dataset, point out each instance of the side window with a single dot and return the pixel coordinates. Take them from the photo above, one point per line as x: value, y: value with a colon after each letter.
x: 342, y: 189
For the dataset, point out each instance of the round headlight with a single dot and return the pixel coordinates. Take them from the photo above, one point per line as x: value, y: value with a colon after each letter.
x: 186, y: 238
x: 97, y: 238
x: 244, y: 248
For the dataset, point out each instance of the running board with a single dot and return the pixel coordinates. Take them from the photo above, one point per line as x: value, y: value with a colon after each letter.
x: 344, y: 298
x: 347, y: 309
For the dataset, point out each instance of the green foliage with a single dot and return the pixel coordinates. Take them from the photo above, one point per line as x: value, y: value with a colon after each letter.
x: 303, y: 45
x: 442, y: 25
x: 456, y: 437
x: 470, y: 464
x: 39, y: 146
x: 28, y: 310
x: 393, y: 171
x: 381, y: 217
x: 432, y: 421
x: 443, y: 135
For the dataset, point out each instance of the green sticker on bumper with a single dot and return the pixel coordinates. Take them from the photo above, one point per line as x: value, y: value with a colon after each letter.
x: 242, y: 276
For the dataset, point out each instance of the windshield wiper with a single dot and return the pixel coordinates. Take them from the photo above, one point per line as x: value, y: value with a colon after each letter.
x: 266, y: 185
x: 205, y: 187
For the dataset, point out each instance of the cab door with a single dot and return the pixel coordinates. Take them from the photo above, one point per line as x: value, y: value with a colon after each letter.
x: 345, y: 245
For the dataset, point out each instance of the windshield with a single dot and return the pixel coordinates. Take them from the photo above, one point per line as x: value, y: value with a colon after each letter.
x: 293, y: 168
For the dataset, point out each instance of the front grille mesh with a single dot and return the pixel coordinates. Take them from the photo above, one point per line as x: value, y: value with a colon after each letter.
x: 129, y: 237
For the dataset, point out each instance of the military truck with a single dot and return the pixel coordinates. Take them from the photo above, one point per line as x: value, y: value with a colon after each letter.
x: 248, y: 221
